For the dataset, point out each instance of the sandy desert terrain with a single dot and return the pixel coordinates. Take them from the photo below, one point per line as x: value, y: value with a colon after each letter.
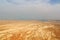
x: 29, y: 30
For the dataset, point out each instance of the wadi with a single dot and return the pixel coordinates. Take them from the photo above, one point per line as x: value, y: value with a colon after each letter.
x: 29, y: 30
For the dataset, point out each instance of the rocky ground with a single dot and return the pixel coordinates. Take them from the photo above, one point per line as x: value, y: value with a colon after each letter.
x: 29, y: 30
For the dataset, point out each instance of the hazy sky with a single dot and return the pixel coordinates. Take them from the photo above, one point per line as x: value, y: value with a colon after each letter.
x: 30, y: 9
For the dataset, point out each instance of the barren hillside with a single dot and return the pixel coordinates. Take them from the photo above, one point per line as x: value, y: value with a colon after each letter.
x: 29, y: 30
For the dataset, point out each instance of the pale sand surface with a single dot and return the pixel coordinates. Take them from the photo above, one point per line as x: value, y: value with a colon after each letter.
x: 29, y: 30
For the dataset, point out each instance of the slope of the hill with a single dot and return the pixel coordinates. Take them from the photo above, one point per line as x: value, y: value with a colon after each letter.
x: 29, y: 30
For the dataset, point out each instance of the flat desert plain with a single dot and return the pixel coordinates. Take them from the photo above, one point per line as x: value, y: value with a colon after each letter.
x: 29, y: 30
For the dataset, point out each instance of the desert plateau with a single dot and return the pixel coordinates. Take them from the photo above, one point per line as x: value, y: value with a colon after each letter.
x: 29, y: 30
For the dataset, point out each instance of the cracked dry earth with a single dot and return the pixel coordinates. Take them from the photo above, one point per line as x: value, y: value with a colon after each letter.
x: 29, y: 30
